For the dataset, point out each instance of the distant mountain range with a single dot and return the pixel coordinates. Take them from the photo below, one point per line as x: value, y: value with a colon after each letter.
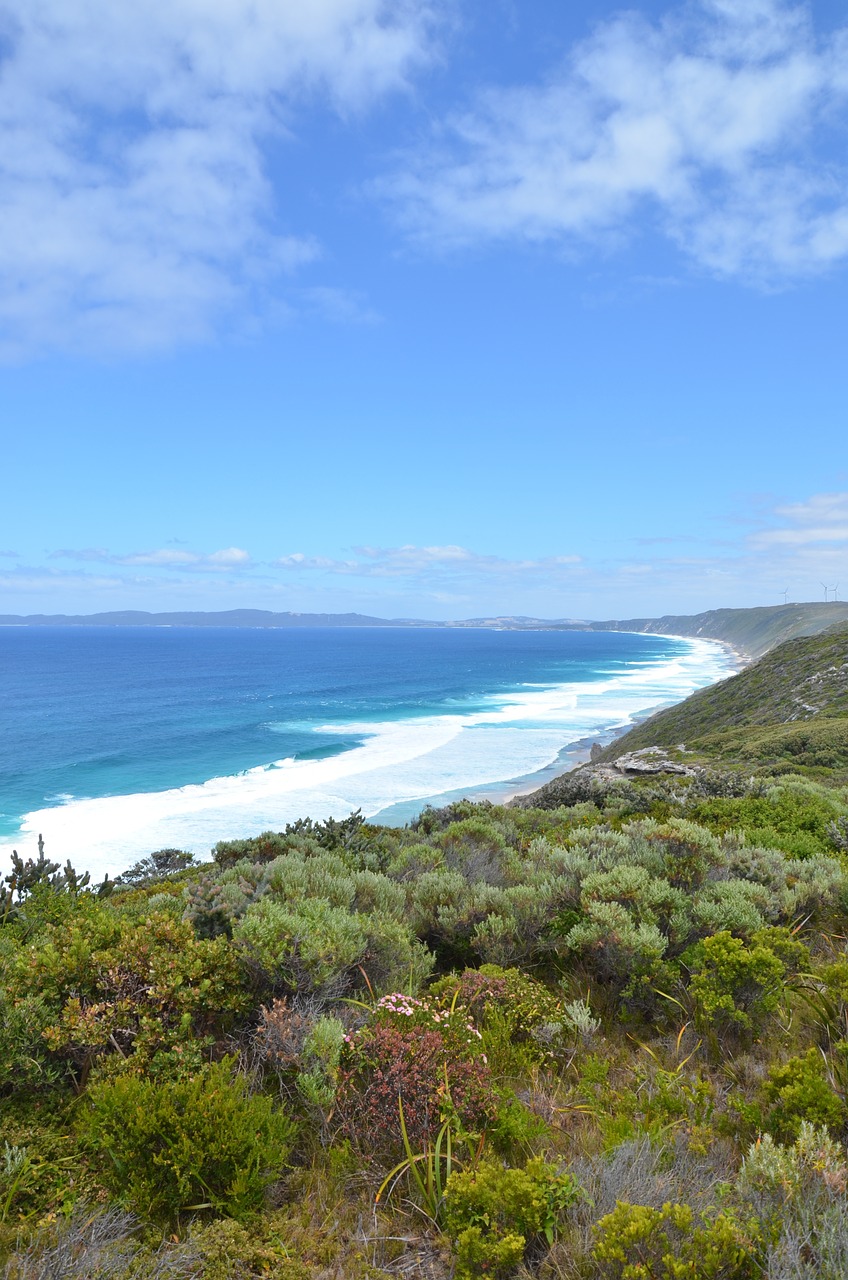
x: 754, y: 631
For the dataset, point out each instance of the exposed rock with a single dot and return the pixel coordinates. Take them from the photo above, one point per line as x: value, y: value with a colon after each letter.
x: 650, y: 760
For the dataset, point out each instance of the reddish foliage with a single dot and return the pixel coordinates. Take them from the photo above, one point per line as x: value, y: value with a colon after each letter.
x: 478, y: 990
x: 387, y: 1063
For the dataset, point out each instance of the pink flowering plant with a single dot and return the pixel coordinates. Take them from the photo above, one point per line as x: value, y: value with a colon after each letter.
x: 413, y: 1055
x: 452, y: 1021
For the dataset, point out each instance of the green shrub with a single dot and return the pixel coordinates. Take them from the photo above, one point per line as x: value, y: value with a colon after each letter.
x: 231, y: 1251
x: 198, y: 1144
x: 522, y: 1022
x: 793, y: 816
x: 24, y: 1059
x: 313, y: 946
x: 318, y: 1077
x: 492, y: 1214
x: 106, y: 982
x: 734, y: 987
x: 636, y: 1242
x: 798, y: 1091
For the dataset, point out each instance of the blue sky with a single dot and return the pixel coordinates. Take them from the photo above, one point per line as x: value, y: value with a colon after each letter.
x: 428, y: 308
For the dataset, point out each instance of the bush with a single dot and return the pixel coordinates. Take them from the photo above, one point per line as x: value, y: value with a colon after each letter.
x: 317, y: 1082
x: 734, y: 987
x: 799, y: 1193
x: 231, y: 1251
x: 636, y: 1242
x: 522, y: 1022
x: 104, y: 982
x: 630, y: 903
x: 426, y: 1059
x: 493, y: 1214
x: 798, y: 1091
x: 311, y: 945
x: 196, y: 1144
x: 793, y: 816
x: 24, y: 1060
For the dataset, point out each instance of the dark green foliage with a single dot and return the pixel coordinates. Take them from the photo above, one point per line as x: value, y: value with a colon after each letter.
x: 351, y: 837
x: 634, y: 984
x: 182, y: 1146
x: 106, y: 982
x: 794, y: 817
x: 158, y: 866
x: 24, y: 1059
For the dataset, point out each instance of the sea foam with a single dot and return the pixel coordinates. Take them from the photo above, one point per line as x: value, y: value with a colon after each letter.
x: 399, y: 761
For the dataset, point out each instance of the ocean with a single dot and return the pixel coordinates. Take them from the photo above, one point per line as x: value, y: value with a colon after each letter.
x: 118, y: 741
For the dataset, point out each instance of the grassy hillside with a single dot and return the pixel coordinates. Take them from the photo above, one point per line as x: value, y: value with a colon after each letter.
x: 791, y: 705
x: 755, y: 631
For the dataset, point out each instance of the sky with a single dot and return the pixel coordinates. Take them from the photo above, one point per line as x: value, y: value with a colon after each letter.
x: 425, y: 308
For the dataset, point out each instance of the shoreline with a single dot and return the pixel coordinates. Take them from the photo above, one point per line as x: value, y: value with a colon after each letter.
x: 399, y: 768
x: 739, y: 660
x: 579, y: 750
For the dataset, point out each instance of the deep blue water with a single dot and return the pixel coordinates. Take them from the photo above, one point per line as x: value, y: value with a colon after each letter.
x: 94, y: 711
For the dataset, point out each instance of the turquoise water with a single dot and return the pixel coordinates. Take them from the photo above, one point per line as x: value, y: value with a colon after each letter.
x: 118, y: 740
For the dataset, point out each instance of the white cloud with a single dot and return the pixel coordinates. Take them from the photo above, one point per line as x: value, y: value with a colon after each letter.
x: 802, y: 537
x: 35, y: 580
x: 433, y: 562
x: 135, y: 208
x: 820, y: 519
x: 723, y: 125
x: 163, y: 558
x: 800, y: 545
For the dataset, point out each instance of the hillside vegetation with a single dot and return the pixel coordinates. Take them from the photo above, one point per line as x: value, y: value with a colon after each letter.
x: 754, y: 631
x: 791, y: 706
x: 600, y: 1034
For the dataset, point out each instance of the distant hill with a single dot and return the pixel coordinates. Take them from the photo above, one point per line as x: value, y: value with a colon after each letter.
x: 226, y: 618
x: 754, y: 631
x: 791, y: 706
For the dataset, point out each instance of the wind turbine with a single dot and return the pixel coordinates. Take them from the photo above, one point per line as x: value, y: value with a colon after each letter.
x: 835, y: 591
x: 785, y: 595
x: 826, y: 589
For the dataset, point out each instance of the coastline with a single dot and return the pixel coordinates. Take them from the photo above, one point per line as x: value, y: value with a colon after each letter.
x: 399, y: 767
x: 581, y: 750
x: 578, y: 751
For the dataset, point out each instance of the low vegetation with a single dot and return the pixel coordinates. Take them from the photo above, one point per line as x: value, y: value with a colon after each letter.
x: 787, y: 712
x: 600, y: 1035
